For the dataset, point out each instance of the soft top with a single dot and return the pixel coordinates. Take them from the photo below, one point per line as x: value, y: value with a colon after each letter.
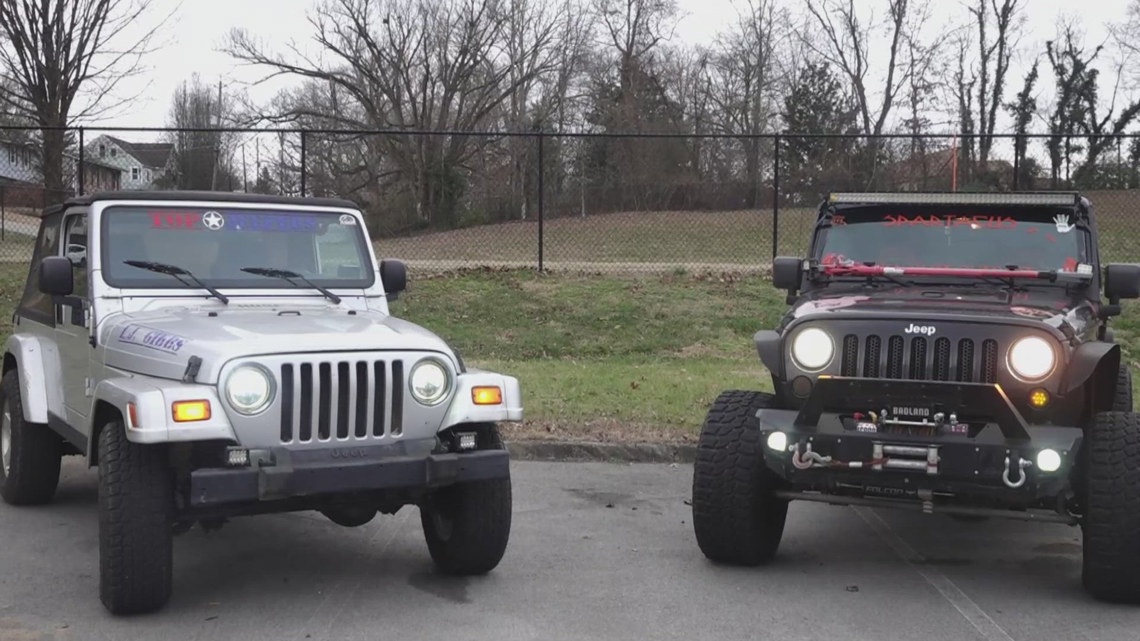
x: 222, y: 196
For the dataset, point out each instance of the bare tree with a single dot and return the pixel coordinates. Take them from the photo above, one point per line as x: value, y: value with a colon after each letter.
x: 202, y: 152
x: 414, y: 64
x: 533, y: 33
x: 748, y: 69
x: 843, y: 38
x: 1127, y: 33
x: 634, y: 29
x: 63, y: 60
x: 1023, y: 109
x: 1077, y: 107
x: 630, y: 95
x: 687, y: 85
x: 981, y: 82
x: 924, y: 83
x: 561, y: 96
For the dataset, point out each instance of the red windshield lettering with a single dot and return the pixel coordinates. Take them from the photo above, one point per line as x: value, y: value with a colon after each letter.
x: 174, y: 220
x: 989, y: 222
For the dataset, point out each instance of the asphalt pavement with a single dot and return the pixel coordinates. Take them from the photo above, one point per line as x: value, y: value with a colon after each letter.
x: 597, y: 551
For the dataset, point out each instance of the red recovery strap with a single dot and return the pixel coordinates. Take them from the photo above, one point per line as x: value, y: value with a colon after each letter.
x: 963, y: 272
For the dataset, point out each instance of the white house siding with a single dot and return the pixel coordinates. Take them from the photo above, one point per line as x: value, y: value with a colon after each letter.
x: 136, y: 175
x: 19, y: 163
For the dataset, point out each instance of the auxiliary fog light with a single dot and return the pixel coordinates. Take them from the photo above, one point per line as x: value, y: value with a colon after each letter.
x: 778, y: 441
x: 467, y: 440
x: 1038, y: 398
x: 1048, y: 461
x: 237, y: 456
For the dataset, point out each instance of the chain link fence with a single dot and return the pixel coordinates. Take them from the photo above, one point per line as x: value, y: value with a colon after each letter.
x: 591, y: 202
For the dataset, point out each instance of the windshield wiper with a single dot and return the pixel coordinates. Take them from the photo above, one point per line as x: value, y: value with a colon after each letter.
x: 179, y: 273
x: 287, y: 275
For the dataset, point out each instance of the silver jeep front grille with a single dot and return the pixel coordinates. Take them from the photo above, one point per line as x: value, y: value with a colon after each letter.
x: 358, y: 399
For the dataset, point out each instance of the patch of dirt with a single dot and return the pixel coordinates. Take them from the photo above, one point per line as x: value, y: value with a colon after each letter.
x: 599, y: 431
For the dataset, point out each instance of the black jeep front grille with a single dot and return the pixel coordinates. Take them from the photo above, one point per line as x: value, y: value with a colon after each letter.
x: 919, y: 358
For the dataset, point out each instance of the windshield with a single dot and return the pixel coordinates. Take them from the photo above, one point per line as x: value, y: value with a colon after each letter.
x: 215, y: 244
x: 1042, y: 239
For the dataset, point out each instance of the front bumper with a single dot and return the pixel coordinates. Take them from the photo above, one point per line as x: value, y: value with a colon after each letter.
x: 988, y: 456
x: 307, y: 477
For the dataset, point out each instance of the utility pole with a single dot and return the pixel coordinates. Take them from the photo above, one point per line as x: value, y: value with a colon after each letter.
x: 217, y: 139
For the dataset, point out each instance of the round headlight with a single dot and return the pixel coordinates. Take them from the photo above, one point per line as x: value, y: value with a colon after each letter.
x: 812, y: 349
x: 429, y: 382
x: 1031, y: 358
x: 249, y: 389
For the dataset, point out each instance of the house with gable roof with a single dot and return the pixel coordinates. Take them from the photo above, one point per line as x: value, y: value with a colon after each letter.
x: 22, y: 180
x: 144, y: 164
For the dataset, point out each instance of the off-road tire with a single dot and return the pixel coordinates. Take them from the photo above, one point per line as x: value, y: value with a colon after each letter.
x: 136, y: 524
x: 1111, y: 524
x: 35, y: 451
x: 467, y: 525
x: 1122, y: 399
x: 736, y: 517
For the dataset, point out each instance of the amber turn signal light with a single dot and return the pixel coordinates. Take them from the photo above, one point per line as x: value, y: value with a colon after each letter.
x: 486, y: 395
x: 187, y: 411
x: 1038, y: 398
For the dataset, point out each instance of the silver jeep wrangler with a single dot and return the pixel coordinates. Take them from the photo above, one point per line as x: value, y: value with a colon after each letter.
x: 217, y: 355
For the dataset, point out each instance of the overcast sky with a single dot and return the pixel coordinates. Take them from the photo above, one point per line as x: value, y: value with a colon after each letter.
x: 191, y: 40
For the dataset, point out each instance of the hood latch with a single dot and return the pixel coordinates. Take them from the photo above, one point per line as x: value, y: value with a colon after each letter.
x: 192, y: 367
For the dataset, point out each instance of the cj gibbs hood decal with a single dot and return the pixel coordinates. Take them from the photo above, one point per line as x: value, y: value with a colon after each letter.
x: 155, y: 339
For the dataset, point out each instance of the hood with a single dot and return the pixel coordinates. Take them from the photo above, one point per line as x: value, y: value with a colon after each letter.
x: 159, y: 343
x: 1051, y: 306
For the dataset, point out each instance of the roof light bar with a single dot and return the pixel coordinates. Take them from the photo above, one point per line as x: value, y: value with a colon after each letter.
x: 957, y: 198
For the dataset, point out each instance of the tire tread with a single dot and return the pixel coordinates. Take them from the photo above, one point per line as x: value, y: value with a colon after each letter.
x: 1111, y: 526
x: 736, y: 519
x: 1122, y: 398
x: 481, y: 523
x: 37, y: 453
x: 135, y: 524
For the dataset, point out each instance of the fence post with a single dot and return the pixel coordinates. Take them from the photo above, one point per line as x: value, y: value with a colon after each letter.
x: 79, y: 173
x: 776, y: 198
x: 541, y: 197
x: 303, y: 172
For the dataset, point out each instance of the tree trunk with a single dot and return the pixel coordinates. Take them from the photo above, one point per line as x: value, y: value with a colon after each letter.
x: 752, y: 169
x: 56, y: 187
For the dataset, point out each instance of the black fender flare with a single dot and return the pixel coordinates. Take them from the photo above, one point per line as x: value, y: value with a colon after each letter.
x: 768, y: 348
x: 1097, y: 361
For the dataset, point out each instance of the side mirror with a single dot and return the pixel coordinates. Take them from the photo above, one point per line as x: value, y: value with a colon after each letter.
x: 786, y: 272
x: 394, y: 277
x: 55, y: 276
x: 1121, y: 280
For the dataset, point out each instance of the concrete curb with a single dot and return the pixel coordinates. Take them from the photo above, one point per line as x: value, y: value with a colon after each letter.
x: 601, y: 452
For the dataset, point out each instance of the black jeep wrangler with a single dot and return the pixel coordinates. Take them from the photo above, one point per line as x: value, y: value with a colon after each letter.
x: 944, y: 352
